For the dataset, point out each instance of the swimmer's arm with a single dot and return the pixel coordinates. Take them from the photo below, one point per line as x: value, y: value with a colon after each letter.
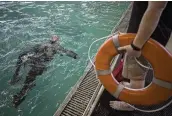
x: 62, y: 49
x: 69, y: 52
x: 149, y: 22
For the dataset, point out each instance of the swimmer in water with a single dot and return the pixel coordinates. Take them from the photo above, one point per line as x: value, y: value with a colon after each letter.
x: 36, y: 58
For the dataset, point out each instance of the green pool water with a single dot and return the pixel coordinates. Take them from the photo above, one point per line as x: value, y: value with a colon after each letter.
x: 24, y: 24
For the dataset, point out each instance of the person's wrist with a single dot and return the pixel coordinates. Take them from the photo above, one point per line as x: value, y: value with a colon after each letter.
x: 135, y: 47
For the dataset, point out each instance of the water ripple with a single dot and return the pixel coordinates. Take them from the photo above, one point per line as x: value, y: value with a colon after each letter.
x: 25, y: 24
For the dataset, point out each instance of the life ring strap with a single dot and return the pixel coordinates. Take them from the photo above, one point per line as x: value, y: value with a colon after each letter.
x: 162, y: 83
x: 116, y: 41
x: 103, y: 72
x: 118, y: 91
x: 117, y: 45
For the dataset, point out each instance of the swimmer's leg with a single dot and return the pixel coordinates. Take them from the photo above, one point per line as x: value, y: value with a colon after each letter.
x: 28, y: 85
x: 16, y: 77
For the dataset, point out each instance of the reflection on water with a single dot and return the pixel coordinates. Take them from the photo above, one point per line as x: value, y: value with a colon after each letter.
x: 24, y: 24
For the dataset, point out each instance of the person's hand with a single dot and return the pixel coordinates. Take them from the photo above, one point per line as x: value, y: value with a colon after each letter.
x: 76, y: 57
x: 129, y: 50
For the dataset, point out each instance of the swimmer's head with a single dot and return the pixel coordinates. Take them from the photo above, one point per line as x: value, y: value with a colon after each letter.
x: 54, y: 39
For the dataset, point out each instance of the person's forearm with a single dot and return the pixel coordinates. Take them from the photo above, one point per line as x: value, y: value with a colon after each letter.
x: 147, y: 26
x: 61, y: 49
x: 69, y: 53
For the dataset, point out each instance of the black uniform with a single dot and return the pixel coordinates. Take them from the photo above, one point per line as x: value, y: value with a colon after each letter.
x: 36, y: 58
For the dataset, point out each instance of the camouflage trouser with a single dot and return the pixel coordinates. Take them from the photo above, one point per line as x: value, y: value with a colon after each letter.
x: 35, y: 71
x: 28, y: 84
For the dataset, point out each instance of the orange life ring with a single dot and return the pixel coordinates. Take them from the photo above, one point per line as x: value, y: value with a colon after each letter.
x: 161, y: 60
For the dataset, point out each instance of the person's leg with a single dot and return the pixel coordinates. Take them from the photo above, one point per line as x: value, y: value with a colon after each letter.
x: 163, y: 31
x: 137, y: 13
x: 28, y: 85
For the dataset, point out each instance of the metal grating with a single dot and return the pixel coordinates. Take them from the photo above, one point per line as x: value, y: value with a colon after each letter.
x: 81, y: 96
